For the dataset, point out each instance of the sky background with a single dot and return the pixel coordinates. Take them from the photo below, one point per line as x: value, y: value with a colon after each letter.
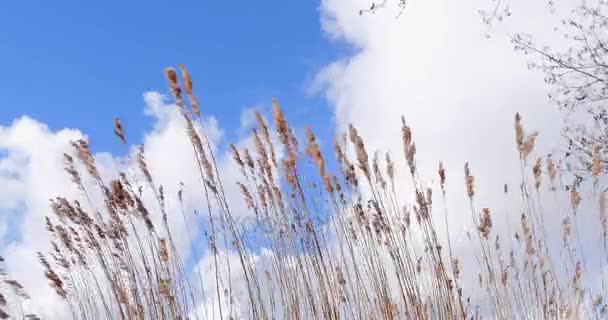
x: 68, y: 69
x: 74, y: 65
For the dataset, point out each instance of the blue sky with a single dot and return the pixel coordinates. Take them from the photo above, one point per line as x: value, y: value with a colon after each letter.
x: 73, y: 65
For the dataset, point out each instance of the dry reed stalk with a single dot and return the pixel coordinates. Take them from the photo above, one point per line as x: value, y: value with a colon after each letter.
x: 347, y: 247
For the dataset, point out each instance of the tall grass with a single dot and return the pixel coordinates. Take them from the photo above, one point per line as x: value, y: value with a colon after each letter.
x: 323, y: 245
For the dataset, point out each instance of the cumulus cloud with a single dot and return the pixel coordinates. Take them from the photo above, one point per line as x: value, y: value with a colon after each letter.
x: 31, y: 173
x: 457, y: 89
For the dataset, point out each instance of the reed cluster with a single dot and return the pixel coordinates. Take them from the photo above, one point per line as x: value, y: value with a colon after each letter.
x: 337, y: 245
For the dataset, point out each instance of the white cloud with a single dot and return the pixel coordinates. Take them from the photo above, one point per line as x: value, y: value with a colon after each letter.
x: 31, y: 173
x: 33, y: 161
x: 458, y: 90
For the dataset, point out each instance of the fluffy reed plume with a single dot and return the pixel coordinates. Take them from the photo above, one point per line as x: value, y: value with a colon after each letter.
x: 519, y: 132
x: 71, y: 170
x: 575, y: 198
x: 266, y: 135
x: 82, y: 151
x: 536, y: 171
x: 143, y: 166
x: 361, y: 153
x: 237, y: 156
x: 441, y: 172
x: 469, y: 181
x: 314, y: 244
x: 313, y: 151
x: 525, y: 144
x: 118, y: 131
x: 187, y: 85
x: 174, y: 88
x: 485, y: 223
x: 409, y: 147
x: 552, y: 172
x: 281, y: 124
x: 390, y: 167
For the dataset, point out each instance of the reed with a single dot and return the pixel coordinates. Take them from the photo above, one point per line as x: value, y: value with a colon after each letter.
x: 336, y: 245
